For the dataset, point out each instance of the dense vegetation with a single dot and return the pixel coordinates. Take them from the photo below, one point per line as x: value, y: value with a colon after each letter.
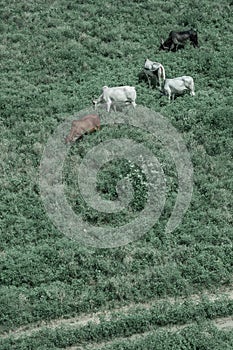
x: 55, y: 57
x: 137, y: 321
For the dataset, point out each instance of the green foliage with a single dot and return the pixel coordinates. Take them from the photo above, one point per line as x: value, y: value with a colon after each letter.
x: 138, y: 321
x: 55, y: 58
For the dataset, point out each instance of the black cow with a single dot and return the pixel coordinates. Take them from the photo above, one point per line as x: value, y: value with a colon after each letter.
x: 177, y: 39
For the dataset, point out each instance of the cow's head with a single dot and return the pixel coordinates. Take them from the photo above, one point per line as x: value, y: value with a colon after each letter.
x: 71, y: 138
x: 67, y: 139
x: 193, y: 37
x: 99, y: 99
x: 194, y: 40
x: 163, y: 45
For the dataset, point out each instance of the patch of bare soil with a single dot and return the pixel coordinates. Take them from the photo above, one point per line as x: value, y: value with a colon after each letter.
x: 225, y: 323
x: 84, y: 319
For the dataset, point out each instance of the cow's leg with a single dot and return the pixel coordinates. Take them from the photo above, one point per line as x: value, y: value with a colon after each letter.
x: 175, y: 43
x: 172, y: 46
x: 161, y: 75
x: 176, y: 47
x: 134, y: 104
x: 160, y: 83
x: 109, y: 105
x: 168, y: 93
x: 148, y: 79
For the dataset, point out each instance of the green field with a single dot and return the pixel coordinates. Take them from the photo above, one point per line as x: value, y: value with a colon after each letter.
x: 164, y: 290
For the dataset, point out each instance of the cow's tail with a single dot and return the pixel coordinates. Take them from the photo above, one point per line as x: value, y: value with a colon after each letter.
x: 162, y: 72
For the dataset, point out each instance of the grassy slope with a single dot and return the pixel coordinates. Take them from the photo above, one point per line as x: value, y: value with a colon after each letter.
x: 55, y: 57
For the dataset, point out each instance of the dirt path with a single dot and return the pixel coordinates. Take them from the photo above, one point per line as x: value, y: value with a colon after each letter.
x: 83, y: 319
x: 225, y: 323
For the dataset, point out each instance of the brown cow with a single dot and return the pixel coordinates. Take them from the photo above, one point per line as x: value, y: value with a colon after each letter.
x: 88, y: 123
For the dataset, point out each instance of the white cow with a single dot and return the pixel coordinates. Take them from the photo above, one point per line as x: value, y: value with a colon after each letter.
x: 178, y: 85
x: 154, y: 69
x: 118, y: 94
